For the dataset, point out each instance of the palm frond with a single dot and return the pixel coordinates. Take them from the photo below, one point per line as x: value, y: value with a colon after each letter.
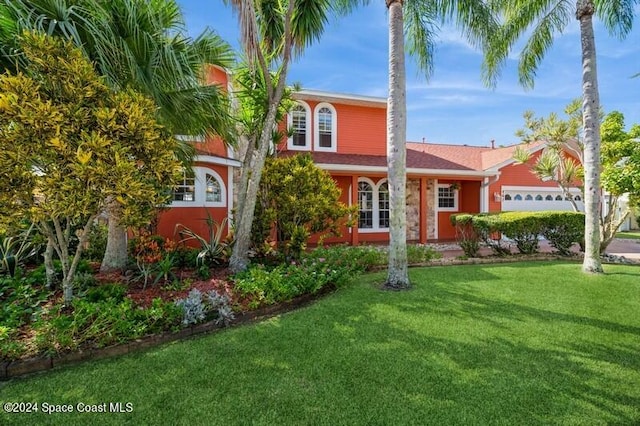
x: 617, y: 15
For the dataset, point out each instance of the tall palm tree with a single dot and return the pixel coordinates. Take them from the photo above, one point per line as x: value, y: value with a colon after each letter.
x: 545, y: 18
x: 476, y: 21
x: 138, y: 44
x: 273, y: 32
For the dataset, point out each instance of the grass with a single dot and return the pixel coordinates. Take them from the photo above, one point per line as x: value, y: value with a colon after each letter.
x: 526, y: 343
x: 632, y: 235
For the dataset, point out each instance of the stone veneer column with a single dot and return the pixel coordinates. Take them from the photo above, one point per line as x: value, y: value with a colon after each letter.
x: 413, y: 209
x: 431, y: 209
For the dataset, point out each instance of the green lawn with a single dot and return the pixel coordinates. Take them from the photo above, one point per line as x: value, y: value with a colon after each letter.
x: 508, y: 344
x: 633, y: 235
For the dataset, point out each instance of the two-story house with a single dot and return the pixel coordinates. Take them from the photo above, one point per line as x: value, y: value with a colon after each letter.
x: 346, y: 136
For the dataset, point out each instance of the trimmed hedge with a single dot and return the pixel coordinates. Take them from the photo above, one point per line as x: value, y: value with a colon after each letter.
x: 562, y: 229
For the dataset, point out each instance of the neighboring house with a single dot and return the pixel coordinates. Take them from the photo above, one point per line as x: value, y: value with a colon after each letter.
x: 346, y: 136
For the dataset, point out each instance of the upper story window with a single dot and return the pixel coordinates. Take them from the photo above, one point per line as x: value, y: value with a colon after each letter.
x: 200, y: 186
x: 299, y: 121
x: 325, y: 135
x: 447, y: 198
x: 373, y: 205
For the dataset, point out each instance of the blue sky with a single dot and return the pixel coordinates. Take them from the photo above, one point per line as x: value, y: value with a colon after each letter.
x: 453, y: 106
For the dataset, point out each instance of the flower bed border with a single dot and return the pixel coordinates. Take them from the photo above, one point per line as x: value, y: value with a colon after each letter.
x: 13, y: 369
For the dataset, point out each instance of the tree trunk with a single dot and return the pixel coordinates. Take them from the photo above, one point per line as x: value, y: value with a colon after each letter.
x: 115, y: 255
x: 591, y: 125
x: 240, y: 256
x: 50, y: 270
x: 398, y: 276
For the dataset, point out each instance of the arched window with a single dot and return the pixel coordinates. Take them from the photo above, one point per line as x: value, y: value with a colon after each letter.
x: 528, y: 197
x: 558, y: 197
x: 518, y: 197
x: 383, y: 205
x: 365, y: 205
x: 185, y: 190
x: 213, y: 189
x: 200, y: 186
x: 507, y: 197
x: 299, y: 124
x: 325, y: 124
x: 548, y: 198
x: 538, y: 197
x: 373, y: 204
x: 577, y: 198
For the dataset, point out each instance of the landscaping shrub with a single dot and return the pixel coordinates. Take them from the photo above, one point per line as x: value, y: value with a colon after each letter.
x: 523, y: 228
x: 97, y: 243
x: 115, y: 292
x: 417, y: 253
x: 488, y: 226
x: 466, y: 235
x: 264, y: 286
x: 102, y: 323
x: 15, y: 250
x: 297, y: 199
x: 20, y: 300
x: 563, y: 230
x: 214, y: 249
x: 197, y: 307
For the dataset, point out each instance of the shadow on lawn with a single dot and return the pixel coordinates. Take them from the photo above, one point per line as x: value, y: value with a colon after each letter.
x: 483, y: 376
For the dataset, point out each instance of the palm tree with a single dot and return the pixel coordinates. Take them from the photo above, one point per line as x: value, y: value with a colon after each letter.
x: 546, y: 19
x: 272, y: 33
x: 476, y: 21
x: 138, y: 44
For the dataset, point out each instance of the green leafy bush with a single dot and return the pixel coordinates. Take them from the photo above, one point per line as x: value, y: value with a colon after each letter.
x: 97, y: 243
x: 20, y: 300
x: 297, y: 199
x: 115, y: 292
x: 15, y: 250
x: 466, y: 235
x: 417, y: 253
x: 213, y: 248
x: 561, y: 229
x: 102, y: 323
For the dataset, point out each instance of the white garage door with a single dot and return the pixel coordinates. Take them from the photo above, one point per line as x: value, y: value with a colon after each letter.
x: 529, y: 198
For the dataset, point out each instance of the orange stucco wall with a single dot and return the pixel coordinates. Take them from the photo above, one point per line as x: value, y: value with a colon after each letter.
x: 361, y: 129
x: 468, y: 202
x: 516, y: 175
x: 194, y: 217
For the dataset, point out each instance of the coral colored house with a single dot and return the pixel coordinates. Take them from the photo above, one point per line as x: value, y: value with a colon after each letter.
x: 346, y: 136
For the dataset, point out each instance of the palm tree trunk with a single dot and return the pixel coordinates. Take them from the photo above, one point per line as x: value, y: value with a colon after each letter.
x: 115, y: 255
x: 591, y: 125
x: 398, y: 277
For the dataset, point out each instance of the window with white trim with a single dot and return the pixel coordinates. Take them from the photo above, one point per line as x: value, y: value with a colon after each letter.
x: 373, y: 205
x: 325, y: 125
x: 200, y: 186
x: 299, y: 120
x: 185, y: 190
x: 447, y: 198
x: 365, y: 205
x: 383, y: 205
x: 213, y: 189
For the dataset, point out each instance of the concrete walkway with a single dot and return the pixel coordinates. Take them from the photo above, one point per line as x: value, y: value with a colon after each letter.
x: 619, y: 247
